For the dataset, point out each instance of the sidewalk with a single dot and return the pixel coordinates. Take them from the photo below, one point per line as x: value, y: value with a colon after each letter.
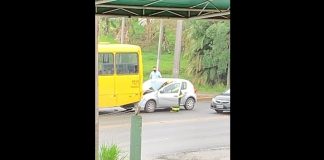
x: 207, y: 154
x: 206, y: 96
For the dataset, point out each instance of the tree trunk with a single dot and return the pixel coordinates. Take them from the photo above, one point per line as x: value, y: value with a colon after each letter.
x: 159, y: 47
x: 122, y: 32
x: 228, y: 76
x: 148, y: 31
x: 177, y: 49
x: 229, y: 63
x: 107, y: 26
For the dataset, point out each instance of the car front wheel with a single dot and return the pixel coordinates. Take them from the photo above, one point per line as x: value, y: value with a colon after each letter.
x: 190, y: 104
x: 218, y: 111
x: 150, y: 106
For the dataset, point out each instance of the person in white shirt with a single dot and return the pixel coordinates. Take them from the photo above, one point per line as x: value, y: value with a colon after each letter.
x: 155, y: 74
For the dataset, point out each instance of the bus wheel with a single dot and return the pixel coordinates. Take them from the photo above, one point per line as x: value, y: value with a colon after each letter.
x: 150, y: 106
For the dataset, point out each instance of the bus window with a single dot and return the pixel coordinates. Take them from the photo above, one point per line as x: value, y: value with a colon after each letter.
x: 127, y: 63
x: 106, y: 64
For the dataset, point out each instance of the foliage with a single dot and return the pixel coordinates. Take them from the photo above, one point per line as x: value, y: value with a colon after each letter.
x: 112, y: 152
x: 205, y: 56
x: 208, y: 51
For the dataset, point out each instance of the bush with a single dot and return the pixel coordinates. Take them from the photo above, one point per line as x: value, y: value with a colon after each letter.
x: 112, y: 152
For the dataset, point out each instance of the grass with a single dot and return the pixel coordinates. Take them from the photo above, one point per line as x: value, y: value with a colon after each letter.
x: 211, y: 89
x: 166, y: 64
x: 112, y: 152
x: 108, y: 38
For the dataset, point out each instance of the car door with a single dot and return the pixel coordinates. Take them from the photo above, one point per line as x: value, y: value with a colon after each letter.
x: 184, y: 91
x: 168, y: 95
x: 227, y: 99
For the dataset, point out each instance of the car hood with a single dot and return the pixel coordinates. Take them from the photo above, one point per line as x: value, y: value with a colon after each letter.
x: 148, y: 91
x: 222, y: 97
x: 152, y: 93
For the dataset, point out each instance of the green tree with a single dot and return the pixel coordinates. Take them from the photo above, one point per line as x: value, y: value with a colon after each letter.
x: 108, y: 26
x: 208, y: 51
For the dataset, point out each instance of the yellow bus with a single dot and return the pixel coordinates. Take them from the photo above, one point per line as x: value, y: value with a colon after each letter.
x: 120, y: 78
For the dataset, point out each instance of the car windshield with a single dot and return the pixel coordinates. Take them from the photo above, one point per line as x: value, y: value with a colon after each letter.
x: 155, y: 84
x: 227, y: 92
x: 164, y: 84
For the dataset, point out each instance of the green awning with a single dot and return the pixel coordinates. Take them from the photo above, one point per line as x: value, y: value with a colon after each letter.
x: 180, y: 9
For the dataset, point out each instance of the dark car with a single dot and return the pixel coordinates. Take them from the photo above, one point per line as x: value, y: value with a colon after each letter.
x: 222, y: 102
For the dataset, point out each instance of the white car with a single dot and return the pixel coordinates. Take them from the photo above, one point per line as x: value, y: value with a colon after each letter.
x: 165, y: 92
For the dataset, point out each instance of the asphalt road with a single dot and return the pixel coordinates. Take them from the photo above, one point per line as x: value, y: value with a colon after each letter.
x: 165, y: 133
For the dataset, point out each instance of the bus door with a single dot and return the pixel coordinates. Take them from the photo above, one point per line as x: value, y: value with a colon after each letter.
x: 128, y: 78
x: 106, y: 84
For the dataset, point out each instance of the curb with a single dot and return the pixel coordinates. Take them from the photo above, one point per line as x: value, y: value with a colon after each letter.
x: 205, y: 98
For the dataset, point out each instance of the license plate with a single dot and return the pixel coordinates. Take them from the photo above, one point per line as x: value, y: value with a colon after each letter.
x: 219, y: 106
